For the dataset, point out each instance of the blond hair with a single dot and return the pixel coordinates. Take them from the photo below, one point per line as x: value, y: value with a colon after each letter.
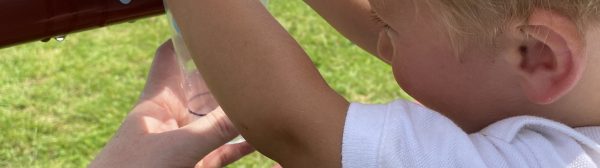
x: 484, y: 19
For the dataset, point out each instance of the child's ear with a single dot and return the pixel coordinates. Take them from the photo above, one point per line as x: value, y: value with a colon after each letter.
x: 549, y: 59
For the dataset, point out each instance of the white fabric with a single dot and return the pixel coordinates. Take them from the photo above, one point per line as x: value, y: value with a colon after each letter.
x: 403, y: 134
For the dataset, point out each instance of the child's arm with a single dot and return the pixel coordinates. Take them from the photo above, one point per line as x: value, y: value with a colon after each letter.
x: 352, y: 18
x: 264, y: 81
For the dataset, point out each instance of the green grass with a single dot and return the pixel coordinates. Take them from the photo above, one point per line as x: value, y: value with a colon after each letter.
x: 60, y: 102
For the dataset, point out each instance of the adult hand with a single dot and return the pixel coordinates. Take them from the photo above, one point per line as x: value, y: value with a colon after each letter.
x: 160, y: 132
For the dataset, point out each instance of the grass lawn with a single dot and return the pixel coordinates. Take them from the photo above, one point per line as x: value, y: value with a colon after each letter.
x: 60, y: 102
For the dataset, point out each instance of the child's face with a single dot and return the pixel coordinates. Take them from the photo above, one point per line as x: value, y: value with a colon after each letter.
x: 424, y: 64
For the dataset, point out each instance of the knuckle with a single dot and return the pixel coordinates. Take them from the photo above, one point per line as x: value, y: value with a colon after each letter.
x: 223, y: 128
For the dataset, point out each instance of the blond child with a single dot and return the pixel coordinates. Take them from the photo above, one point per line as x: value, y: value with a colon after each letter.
x: 506, y: 83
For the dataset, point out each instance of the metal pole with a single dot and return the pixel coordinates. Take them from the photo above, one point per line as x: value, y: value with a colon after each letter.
x: 23, y: 21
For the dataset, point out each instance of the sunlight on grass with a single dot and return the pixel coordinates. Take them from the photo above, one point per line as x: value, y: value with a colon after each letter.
x: 60, y: 102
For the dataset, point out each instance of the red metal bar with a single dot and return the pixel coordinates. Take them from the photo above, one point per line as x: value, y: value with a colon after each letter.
x: 29, y: 20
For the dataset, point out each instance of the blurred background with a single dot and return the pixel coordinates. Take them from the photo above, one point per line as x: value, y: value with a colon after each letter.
x: 61, y: 101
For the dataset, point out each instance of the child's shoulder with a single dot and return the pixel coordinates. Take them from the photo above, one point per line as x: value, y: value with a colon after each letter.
x: 399, y: 112
x: 405, y: 134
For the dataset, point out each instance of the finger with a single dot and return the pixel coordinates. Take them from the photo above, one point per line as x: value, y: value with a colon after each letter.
x: 163, y: 87
x: 277, y: 165
x: 225, y: 155
x: 165, y: 73
x: 214, y: 130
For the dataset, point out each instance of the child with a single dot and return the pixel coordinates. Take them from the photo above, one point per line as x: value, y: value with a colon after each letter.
x: 509, y: 83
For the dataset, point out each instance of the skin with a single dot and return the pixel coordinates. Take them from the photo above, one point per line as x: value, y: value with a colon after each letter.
x: 159, y: 132
x: 276, y: 98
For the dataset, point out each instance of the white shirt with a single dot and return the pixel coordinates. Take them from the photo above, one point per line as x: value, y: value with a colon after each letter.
x: 403, y: 134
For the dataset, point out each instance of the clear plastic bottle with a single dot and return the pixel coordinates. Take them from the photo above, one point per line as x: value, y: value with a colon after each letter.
x: 196, y: 92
